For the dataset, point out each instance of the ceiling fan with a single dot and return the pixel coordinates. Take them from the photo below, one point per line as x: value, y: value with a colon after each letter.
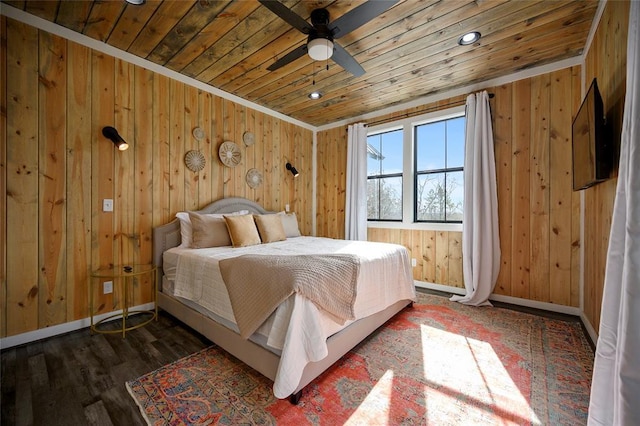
x: 321, y: 33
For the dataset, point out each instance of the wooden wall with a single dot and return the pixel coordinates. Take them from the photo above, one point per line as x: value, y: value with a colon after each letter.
x: 57, y: 168
x: 606, y: 60
x: 539, y: 213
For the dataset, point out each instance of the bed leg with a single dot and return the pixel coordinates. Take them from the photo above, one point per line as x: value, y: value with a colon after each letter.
x: 295, y: 397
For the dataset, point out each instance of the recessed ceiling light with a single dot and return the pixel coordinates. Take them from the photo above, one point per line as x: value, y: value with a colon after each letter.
x: 469, y: 38
x: 136, y: 2
x: 315, y: 95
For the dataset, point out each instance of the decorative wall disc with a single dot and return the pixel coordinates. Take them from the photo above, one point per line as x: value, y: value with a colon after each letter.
x: 248, y: 138
x: 198, y: 133
x: 230, y: 154
x: 194, y: 160
x: 253, y: 178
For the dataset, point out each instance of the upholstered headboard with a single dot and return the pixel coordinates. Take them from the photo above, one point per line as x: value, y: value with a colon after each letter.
x: 168, y: 236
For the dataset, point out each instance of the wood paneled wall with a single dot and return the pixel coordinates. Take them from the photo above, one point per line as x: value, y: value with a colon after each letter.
x: 57, y: 167
x: 539, y: 213
x: 606, y: 60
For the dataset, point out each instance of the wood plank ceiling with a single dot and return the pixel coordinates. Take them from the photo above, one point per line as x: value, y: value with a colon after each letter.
x: 409, y: 51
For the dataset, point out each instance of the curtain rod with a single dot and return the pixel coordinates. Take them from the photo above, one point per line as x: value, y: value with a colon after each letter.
x: 419, y: 112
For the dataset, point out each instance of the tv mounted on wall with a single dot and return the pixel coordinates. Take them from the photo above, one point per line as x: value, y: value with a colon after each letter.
x: 592, y: 147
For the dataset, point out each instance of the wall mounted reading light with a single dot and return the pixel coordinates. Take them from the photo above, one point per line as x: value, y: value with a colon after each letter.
x: 112, y: 134
x: 292, y: 169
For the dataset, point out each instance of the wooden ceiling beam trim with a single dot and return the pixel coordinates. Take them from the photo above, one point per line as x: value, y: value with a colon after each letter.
x: 131, y: 23
x: 225, y: 22
x: 162, y: 21
x: 491, y: 43
x: 192, y: 23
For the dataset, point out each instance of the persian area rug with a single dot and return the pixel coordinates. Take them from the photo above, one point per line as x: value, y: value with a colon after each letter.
x: 438, y: 363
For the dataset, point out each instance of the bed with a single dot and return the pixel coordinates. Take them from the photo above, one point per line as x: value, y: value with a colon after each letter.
x: 298, y: 341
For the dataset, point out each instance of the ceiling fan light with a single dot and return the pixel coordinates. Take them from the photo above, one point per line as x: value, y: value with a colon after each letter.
x: 320, y: 49
x: 469, y: 38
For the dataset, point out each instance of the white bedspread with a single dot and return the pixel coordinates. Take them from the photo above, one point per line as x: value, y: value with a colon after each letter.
x: 298, y: 328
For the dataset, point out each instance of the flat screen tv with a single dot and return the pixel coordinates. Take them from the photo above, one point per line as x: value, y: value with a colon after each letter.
x: 592, y: 149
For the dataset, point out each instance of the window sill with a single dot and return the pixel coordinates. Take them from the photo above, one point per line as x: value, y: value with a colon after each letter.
x: 424, y: 226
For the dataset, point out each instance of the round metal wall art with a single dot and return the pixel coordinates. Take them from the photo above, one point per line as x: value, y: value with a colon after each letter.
x: 194, y: 160
x: 253, y: 178
x: 230, y: 154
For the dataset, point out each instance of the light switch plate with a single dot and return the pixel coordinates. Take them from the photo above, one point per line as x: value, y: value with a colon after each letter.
x: 414, y: 262
x: 286, y: 208
x: 107, y: 205
x: 107, y: 287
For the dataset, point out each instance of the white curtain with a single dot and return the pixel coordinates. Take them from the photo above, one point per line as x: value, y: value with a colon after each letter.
x: 355, y: 222
x: 480, y: 238
x: 615, y: 388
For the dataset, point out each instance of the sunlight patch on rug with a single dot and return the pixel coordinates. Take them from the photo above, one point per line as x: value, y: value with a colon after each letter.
x: 468, y: 369
x: 438, y: 363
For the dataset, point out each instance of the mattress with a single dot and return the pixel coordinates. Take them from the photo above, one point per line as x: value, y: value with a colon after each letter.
x: 297, y: 329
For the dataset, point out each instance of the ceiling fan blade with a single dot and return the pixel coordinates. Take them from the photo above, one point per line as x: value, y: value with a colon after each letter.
x: 346, y: 61
x: 289, y: 57
x: 287, y: 15
x: 359, y: 16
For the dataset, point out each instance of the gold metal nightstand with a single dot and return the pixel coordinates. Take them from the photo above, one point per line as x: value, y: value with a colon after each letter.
x: 125, y: 279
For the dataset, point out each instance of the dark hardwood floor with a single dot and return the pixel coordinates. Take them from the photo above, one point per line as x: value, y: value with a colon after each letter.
x: 78, y: 378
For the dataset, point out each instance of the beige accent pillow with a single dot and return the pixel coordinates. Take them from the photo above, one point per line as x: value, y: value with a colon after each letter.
x: 242, y: 230
x: 208, y: 231
x: 290, y: 224
x: 270, y: 228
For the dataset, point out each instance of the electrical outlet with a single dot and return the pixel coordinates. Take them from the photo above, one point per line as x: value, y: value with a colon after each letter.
x: 107, y: 205
x: 414, y: 262
x: 286, y: 208
x: 107, y: 287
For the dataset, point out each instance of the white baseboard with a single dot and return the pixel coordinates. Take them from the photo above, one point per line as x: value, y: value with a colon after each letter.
x: 43, y: 333
x: 587, y: 324
x: 570, y: 310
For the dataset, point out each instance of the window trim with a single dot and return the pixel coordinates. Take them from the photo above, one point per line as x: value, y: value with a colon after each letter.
x: 408, y: 170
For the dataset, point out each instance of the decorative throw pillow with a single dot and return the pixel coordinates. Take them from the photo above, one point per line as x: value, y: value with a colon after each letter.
x: 242, y: 230
x: 270, y: 228
x: 208, y: 231
x: 186, y: 230
x: 290, y: 224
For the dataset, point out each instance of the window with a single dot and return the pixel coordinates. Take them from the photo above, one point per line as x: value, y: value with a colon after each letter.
x: 384, y: 176
x: 439, y: 178
x: 415, y: 170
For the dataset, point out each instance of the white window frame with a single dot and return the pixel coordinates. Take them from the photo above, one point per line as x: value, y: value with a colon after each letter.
x: 408, y: 168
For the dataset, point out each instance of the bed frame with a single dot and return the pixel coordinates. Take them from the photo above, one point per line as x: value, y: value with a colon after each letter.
x: 264, y: 361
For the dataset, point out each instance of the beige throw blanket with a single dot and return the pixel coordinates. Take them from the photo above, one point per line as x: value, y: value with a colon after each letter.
x: 258, y: 284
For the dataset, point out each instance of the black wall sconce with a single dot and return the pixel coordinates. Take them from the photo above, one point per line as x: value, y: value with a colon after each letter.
x: 292, y: 169
x: 111, y: 133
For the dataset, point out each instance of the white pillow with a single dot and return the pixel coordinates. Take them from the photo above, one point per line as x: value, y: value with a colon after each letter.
x: 290, y: 224
x: 186, y: 230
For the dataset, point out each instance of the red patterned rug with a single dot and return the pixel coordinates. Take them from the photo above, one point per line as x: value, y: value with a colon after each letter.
x: 438, y: 363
